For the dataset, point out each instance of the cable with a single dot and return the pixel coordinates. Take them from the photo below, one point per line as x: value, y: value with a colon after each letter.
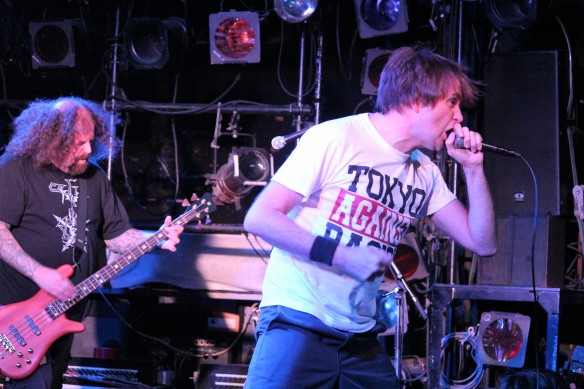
x: 533, y: 237
x: 467, y: 339
x: 179, y: 351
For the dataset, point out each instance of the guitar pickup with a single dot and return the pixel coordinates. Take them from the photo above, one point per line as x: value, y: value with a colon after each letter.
x: 33, y: 327
x: 17, y: 335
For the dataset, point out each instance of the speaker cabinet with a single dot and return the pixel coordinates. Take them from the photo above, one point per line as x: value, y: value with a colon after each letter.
x: 216, y: 376
x: 522, y: 114
x: 512, y: 263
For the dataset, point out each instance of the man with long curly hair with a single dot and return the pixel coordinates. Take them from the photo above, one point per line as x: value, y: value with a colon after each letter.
x: 48, y: 166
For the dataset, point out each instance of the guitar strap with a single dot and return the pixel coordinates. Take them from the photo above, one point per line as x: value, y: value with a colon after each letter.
x: 81, y: 220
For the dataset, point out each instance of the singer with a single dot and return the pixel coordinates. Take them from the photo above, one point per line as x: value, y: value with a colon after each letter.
x: 335, y: 212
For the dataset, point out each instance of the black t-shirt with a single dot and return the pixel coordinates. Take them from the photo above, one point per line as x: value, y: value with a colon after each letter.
x: 42, y: 206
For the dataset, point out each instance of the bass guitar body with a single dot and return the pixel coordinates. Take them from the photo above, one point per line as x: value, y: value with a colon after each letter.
x: 28, y: 329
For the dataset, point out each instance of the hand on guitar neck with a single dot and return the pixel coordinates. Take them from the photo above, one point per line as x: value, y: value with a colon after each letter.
x: 29, y: 328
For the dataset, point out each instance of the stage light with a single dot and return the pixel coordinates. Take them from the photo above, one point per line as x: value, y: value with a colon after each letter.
x: 511, y: 13
x: 408, y: 259
x: 146, y: 43
x: 295, y: 11
x: 234, y: 37
x: 373, y: 64
x: 381, y: 17
x: 52, y: 44
x: 503, y: 338
x: 246, y: 168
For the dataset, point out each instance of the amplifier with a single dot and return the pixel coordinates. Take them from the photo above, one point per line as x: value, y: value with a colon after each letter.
x: 219, y: 376
x: 110, y: 373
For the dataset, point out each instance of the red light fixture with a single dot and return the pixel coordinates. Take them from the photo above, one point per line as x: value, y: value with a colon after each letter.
x: 234, y: 37
x: 373, y: 63
x: 503, y: 338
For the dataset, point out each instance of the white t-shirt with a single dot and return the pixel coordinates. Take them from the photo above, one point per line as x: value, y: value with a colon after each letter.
x: 359, y: 191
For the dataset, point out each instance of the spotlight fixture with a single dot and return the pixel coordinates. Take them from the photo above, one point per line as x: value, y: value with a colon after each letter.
x: 503, y: 338
x: 234, y: 37
x: 295, y: 11
x: 373, y: 63
x: 146, y: 43
x: 510, y: 13
x: 52, y: 44
x: 246, y: 168
x: 409, y: 261
x: 381, y: 17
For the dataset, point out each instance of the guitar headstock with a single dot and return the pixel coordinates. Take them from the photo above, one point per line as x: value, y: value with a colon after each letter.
x: 198, y: 208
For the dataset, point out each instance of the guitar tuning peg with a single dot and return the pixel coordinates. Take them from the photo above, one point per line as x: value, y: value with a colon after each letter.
x: 207, y: 220
x: 185, y: 203
x: 194, y: 197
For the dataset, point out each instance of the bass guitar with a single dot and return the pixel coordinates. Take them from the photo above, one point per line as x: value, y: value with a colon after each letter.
x: 30, y: 327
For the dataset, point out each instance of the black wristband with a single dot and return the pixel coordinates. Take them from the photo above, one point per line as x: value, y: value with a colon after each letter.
x: 323, y: 250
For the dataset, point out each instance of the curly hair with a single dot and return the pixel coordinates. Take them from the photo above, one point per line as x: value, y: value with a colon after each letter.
x: 44, y: 131
x: 417, y: 75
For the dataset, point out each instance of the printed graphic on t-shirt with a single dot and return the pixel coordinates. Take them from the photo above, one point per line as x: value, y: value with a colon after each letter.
x: 381, y: 217
x: 67, y: 223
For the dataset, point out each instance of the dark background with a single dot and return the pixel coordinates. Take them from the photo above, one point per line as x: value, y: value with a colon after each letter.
x: 164, y: 151
x: 168, y: 114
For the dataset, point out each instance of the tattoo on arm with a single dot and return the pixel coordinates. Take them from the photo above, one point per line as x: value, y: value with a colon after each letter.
x: 125, y: 241
x: 13, y: 254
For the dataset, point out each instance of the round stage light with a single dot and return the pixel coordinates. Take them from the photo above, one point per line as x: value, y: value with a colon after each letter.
x: 52, y: 44
x: 234, y: 37
x: 147, y: 43
x: 374, y: 61
x: 254, y: 165
x: 246, y: 168
x: 503, y: 338
x: 511, y: 13
x: 295, y: 11
x: 381, y: 17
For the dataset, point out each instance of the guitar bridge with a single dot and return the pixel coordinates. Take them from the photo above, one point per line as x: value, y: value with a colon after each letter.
x: 6, y: 344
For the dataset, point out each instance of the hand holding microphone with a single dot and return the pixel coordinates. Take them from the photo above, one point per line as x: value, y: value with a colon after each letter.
x: 459, y: 144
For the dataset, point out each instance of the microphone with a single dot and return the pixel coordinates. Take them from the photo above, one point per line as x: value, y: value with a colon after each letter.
x: 459, y: 144
x: 280, y: 141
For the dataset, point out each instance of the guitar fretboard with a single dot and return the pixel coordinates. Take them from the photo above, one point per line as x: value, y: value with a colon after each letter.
x: 197, y: 210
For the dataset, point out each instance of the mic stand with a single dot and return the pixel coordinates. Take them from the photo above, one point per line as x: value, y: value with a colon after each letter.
x: 398, y: 336
x: 400, y: 277
x: 399, y: 297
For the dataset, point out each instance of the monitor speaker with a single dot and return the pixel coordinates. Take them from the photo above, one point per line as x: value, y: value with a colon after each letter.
x: 522, y: 114
x: 512, y: 265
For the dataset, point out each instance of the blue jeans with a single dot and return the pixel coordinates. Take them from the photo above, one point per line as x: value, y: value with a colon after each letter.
x: 297, y: 350
x: 50, y: 374
x: 39, y: 379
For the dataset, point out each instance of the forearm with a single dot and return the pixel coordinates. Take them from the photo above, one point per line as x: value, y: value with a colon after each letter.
x: 481, y: 215
x: 268, y: 219
x: 279, y: 231
x: 12, y: 253
x: 125, y: 241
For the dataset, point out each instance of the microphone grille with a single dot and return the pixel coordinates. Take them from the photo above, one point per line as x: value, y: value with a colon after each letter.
x: 458, y: 142
x: 278, y: 143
